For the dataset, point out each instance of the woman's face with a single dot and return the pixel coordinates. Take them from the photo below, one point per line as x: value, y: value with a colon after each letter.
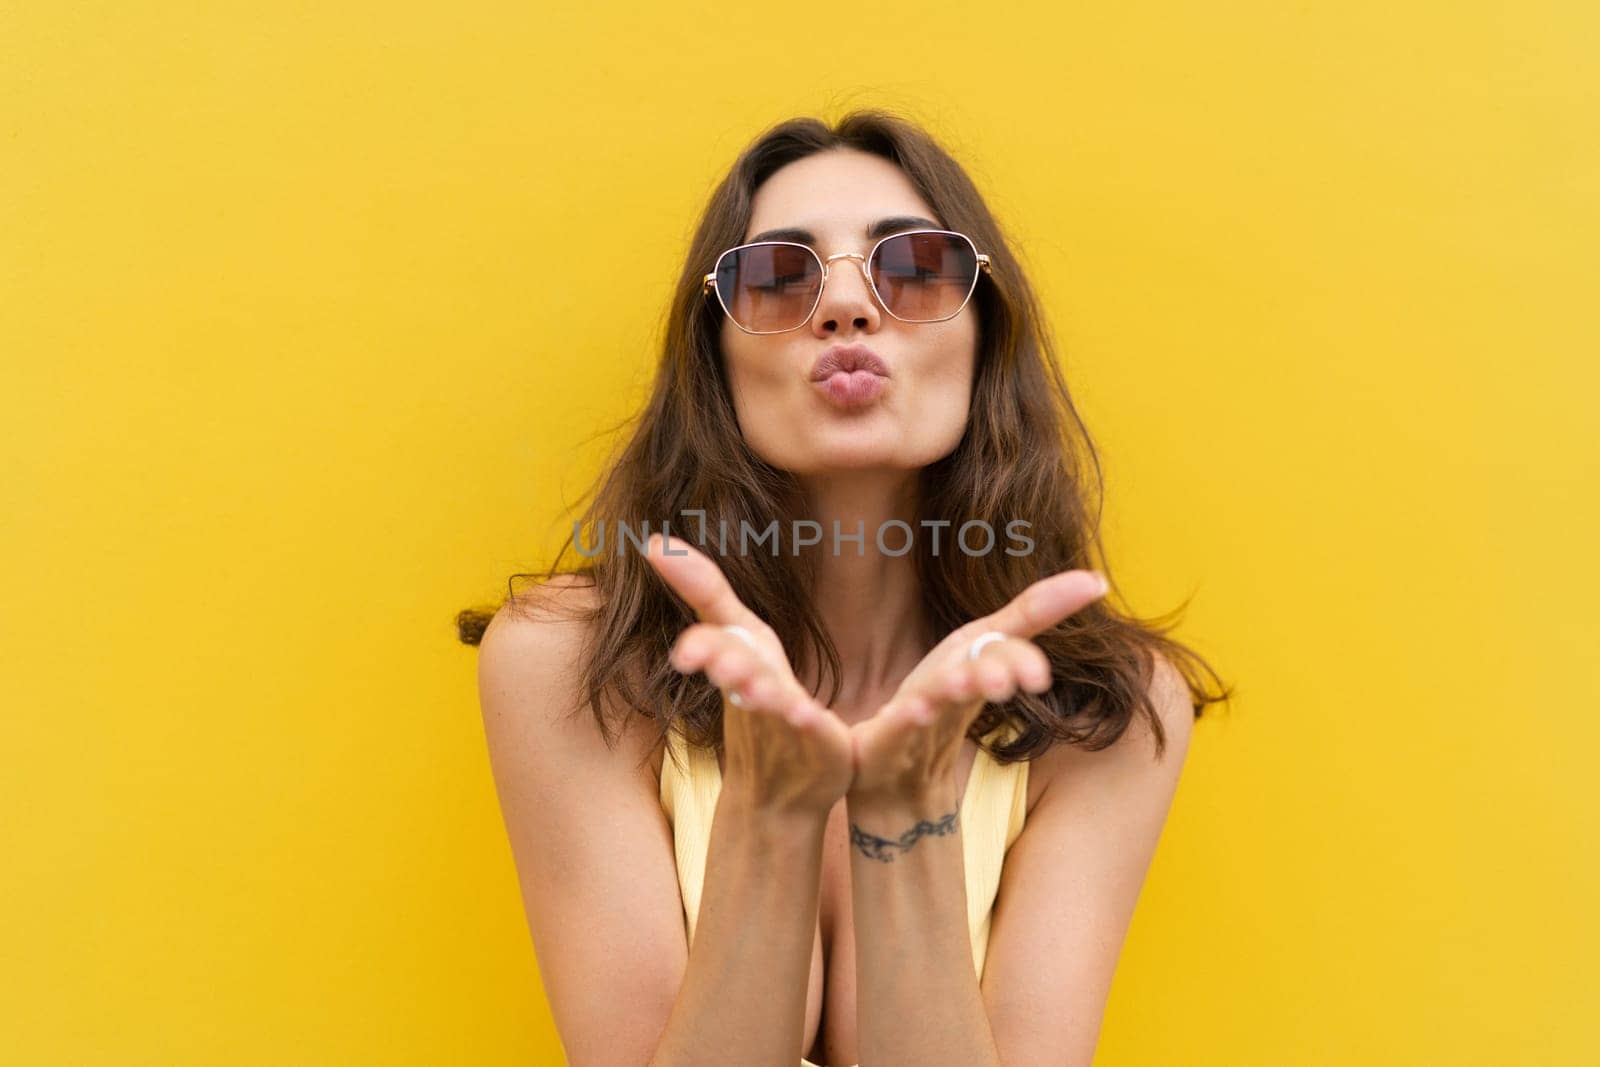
x: 918, y: 412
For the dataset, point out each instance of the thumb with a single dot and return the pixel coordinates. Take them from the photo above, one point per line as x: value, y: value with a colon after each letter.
x: 698, y: 580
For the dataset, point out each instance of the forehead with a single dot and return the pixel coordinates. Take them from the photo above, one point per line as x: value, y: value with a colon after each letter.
x: 836, y: 195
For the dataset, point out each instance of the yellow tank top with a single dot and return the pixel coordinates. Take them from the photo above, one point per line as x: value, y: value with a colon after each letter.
x: 992, y: 812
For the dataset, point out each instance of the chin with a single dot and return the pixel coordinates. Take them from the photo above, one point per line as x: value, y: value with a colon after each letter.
x: 811, y: 445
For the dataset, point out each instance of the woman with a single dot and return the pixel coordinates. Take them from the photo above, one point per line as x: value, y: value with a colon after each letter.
x: 936, y: 862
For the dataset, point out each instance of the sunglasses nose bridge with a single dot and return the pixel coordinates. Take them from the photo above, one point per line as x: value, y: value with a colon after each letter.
x: 861, y: 261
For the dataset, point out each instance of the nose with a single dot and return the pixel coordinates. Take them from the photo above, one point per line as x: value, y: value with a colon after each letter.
x: 846, y: 296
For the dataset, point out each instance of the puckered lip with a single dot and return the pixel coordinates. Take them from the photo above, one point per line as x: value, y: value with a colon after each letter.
x: 847, y: 358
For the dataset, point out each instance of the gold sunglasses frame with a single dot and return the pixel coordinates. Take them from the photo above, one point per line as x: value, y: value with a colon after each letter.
x: 710, y: 283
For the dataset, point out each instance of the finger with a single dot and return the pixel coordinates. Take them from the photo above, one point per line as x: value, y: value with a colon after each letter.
x: 754, y: 692
x: 696, y: 645
x: 698, y: 580
x: 994, y: 678
x: 766, y: 695
x: 1034, y: 673
x: 919, y: 710
x: 907, y: 711
x: 963, y: 687
x: 1023, y: 662
x: 1046, y: 602
x: 801, y: 711
x: 737, y: 668
x: 726, y: 661
x: 901, y: 722
x: 732, y: 665
x: 956, y: 684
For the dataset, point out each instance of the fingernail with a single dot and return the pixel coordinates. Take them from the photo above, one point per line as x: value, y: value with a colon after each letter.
x: 1105, y: 586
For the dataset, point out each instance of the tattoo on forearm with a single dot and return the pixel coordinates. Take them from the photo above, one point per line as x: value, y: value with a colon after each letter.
x: 882, y: 848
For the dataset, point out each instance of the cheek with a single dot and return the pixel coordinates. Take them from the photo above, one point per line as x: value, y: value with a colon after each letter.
x: 755, y: 384
x: 738, y: 365
x: 952, y: 376
x: 957, y: 362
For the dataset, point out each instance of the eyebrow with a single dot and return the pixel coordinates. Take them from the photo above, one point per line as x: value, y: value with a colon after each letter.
x: 881, y: 228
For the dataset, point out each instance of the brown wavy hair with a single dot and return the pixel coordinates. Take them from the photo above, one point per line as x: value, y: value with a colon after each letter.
x: 1025, y: 454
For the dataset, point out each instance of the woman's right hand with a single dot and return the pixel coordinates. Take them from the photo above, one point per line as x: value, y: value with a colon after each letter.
x: 785, y: 752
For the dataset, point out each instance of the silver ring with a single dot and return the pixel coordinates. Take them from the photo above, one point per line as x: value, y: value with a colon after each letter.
x: 985, y: 639
x: 741, y: 633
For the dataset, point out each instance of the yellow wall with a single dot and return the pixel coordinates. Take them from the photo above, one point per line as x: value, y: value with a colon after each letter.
x: 301, y: 354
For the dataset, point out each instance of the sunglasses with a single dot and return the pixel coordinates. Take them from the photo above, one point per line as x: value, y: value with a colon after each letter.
x: 916, y: 276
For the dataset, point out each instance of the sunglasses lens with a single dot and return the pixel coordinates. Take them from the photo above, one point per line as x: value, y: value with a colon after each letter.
x: 768, y: 288
x: 925, y: 277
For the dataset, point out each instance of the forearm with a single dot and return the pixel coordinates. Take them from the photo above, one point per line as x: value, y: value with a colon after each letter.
x: 917, y: 993
x: 743, y: 997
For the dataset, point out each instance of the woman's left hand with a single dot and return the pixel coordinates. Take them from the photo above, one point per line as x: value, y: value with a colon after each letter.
x: 907, y: 750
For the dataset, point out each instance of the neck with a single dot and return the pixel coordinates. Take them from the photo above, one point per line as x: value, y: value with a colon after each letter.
x: 870, y: 602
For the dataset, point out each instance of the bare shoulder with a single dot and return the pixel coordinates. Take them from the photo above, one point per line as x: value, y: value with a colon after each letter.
x: 564, y: 598
x: 533, y: 646
x: 529, y: 679
x: 1169, y: 694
